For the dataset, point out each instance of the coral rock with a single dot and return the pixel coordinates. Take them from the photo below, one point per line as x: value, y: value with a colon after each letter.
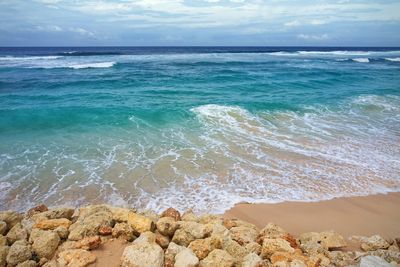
x: 162, y: 240
x: 243, y: 235
x: 52, y: 224
x: 167, y: 226
x: 62, y: 232
x: 46, y: 244
x: 270, y: 246
x: 173, y: 213
x: 374, y: 243
x: 37, y: 209
x: 105, y: 230
x: 29, y: 263
x: 3, y: 255
x: 189, y: 216
x: 17, y: 233
x: 59, y: 213
x: 170, y: 253
x: 251, y: 260
x: 143, y: 252
x: 124, y: 231
x: 327, y: 239
x: 19, y: 252
x: 3, y: 227
x: 217, y: 258
x: 202, y: 247
x: 186, y: 258
x: 88, y: 243
x: 76, y: 258
x: 3, y: 241
x: 11, y: 218
x: 120, y: 214
x: 140, y: 223
x: 89, y: 222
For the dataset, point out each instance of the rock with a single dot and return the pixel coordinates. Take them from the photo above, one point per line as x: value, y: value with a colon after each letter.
x: 105, y: 230
x: 251, y: 260
x: 202, y: 247
x: 183, y: 238
x: 340, y: 258
x: 76, y: 258
x: 37, y: 209
x: 52, y: 263
x: 62, y: 232
x: 374, y: 243
x: 46, y: 244
x: 312, y: 248
x: 235, y: 250
x: 11, y: 218
x: 167, y: 226
x: 189, y: 216
x: 272, y: 230
x: 229, y: 223
x: 210, y: 218
x: 3, y: 241
x: 388, y: 255
x: 19, y: 252
x: 374, y: 261
x: 173, y: 213
x: 88, y: 243
x: 140, y: 223
x: 3, y: 255
x: 52, y: 224
x: 289, y: 258
x: 186, y: 258
x: 162, y: 240
x: 3, y: 227
x: 17, y: 233
x: 197, y: 230
x: 217, y: 258
x: 143, y: 252
x: 270, y: 246
x: 120, y: 214
x: 124, y: 231
x: 327, y: 239
x: 253, y: 247
x: 243, y: 235
x: 59, y: 213
x: 170, y: 253
x: 29, y: 263
x: 90, y: 221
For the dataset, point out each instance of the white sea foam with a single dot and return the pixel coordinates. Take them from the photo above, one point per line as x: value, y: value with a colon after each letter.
x: 361, y: 60
x: 12, y: 58
x: 394, y: 59
x: 93, y: 65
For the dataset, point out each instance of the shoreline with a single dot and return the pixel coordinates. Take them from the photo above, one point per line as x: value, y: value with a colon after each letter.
x: 350, y: 231
x: 359, y: 215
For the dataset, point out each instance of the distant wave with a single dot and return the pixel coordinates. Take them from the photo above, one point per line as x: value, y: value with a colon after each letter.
x: 361, y: 60
x: 395, y: 59
x: 13, y: 58
x: 93, y: 65
x: 83, y: 53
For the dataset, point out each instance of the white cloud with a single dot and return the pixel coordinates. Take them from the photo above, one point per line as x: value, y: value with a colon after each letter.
x: 293, y: 23
x: 49, y: 28
x: 82, y: 31
x: 317, y: 22
x: 313, y: 37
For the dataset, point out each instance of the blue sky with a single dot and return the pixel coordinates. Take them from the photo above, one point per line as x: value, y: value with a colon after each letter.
x: 199, y: 22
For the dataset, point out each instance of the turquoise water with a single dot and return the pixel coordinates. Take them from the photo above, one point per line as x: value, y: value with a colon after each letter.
x: 199, y: 128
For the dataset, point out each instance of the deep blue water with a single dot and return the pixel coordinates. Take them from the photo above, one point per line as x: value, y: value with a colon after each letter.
x: 200, y: 127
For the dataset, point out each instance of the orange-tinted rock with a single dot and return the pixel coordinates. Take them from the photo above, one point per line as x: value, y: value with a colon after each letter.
x: 37, y: 209
x: 105, y: 230
x: 53, y: 224
x: 88, y: 243
x: 173, y: 213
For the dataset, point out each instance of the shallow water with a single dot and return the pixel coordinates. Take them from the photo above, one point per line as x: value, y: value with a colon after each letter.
x: 199, y: 128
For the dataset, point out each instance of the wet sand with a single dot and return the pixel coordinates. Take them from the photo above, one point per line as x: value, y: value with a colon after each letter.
x: 369, y: 215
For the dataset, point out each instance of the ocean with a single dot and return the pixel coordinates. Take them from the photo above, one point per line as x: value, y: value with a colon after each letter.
x: 197, y: 128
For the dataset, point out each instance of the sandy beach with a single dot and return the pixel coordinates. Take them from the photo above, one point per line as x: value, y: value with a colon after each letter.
x: 366, y: 215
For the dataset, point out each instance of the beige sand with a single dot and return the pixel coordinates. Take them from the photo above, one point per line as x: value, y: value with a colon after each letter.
x: 376, y: 214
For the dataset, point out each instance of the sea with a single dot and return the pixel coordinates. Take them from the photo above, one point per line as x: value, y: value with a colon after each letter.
x: 197, y: 128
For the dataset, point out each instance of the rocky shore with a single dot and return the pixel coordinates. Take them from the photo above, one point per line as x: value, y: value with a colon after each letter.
x: 72, y: 237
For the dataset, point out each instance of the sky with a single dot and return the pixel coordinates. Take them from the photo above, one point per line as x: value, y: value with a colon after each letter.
x: 199, y: 23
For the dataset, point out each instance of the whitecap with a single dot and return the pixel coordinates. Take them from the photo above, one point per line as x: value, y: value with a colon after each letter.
x: 361, y: 60
x: 93, y: 65
x: 394, y: 59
